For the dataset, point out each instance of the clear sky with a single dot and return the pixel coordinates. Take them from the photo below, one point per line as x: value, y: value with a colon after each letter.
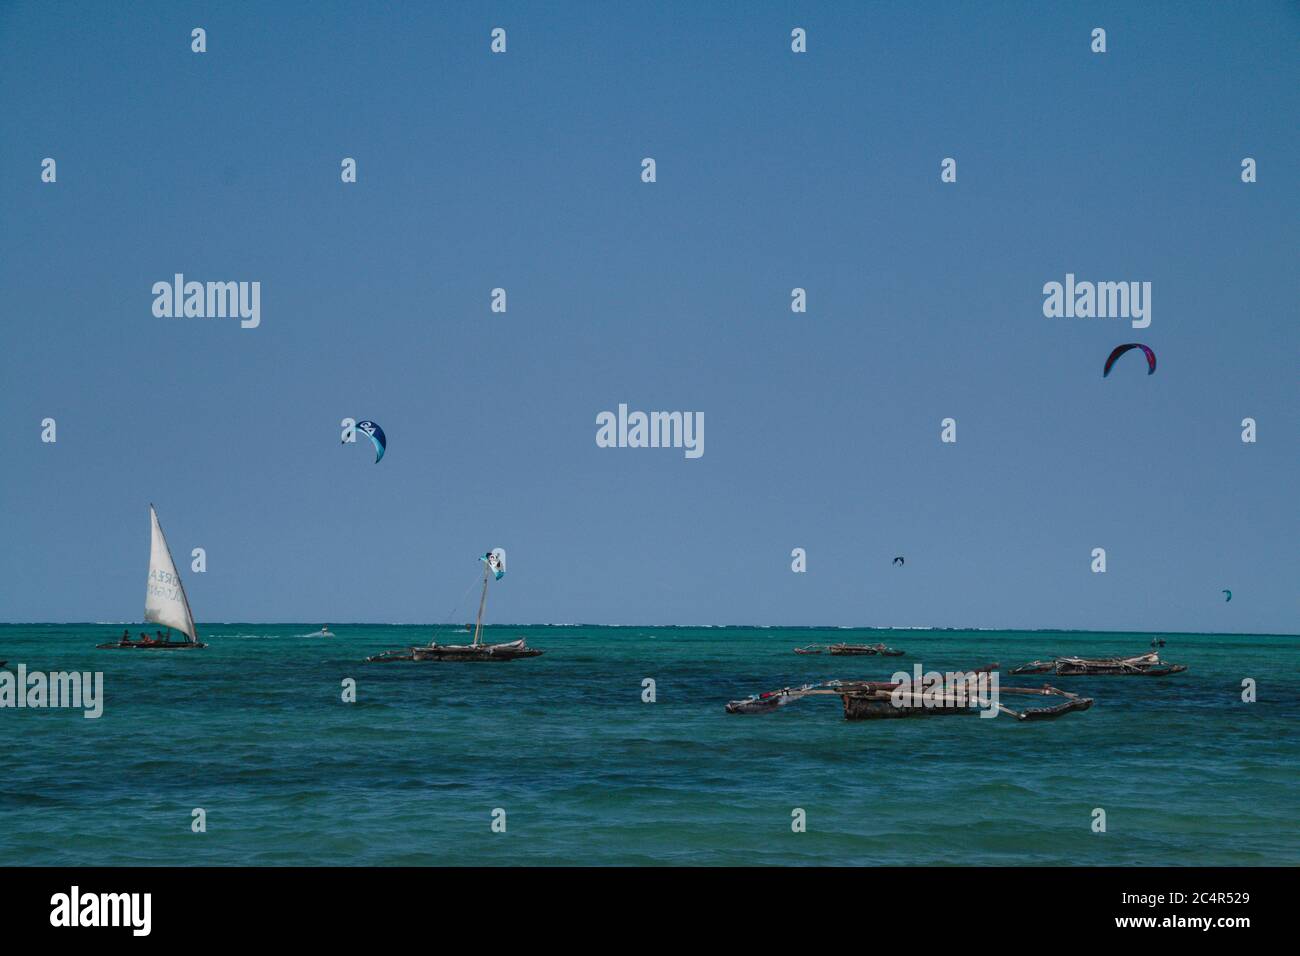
x: 775, y: 170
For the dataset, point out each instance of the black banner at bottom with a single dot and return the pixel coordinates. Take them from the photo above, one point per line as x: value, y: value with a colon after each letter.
x: 727, y: 906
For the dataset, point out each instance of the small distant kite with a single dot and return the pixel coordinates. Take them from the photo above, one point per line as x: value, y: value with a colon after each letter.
x: 1121, y: 349
x: 899, y: 560
x: 376, y: 435
x: 1229, y: 597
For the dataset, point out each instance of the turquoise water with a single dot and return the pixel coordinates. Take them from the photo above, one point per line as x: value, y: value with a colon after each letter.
x: 253, y: 730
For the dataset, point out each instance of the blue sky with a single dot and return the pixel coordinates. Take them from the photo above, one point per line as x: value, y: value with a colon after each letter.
x: 775, y: 170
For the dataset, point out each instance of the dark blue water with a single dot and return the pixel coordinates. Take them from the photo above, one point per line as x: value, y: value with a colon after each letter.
x: 254, y: 731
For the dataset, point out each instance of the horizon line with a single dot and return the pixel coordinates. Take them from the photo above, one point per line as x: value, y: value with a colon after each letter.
x: 763, y: 627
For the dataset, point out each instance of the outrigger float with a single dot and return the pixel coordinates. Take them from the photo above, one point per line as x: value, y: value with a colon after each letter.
x: 850, y: 650
x: 870, y: 700
x: 1142, y: 665
x: 494, y: 568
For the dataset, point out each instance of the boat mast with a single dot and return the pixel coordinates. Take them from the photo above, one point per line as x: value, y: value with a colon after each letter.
x: 478, y: 623
x: 194, y: 638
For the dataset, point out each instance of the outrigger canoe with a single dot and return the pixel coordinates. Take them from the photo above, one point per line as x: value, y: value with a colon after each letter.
x: 869, y: 700
x: 850, y: 650
x: 458, y: 652
x: 494, y: 568
x: 1141, y: 665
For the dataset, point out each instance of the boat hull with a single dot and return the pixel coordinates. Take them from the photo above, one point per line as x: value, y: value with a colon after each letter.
x: 863, y: 650
x: 157, y: 646
x: 511, y: 651
x: 473, y: 652
x: 1146, y: 665
x: 1104, y: 671
x: 879, y: 706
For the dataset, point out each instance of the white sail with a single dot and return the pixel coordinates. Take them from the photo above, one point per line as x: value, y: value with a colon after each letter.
x: 165, y: 602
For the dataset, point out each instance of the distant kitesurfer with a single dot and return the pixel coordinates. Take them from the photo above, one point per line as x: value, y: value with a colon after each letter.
x: 899, y: 560
x: 1121, y: 349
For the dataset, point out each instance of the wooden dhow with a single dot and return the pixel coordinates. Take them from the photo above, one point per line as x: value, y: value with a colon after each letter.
x: 872, y: 700
x: 165, y: 601
x: 850, y: 650
x: 869, y: 700
x: 494, y: 568
x: 1141, y: 665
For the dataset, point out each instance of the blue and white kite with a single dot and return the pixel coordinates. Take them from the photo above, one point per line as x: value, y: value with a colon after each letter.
x: 496, y: 562
x: 376, y: 435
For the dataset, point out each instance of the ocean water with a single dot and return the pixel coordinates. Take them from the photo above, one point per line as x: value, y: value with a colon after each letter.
x: 254, y: 731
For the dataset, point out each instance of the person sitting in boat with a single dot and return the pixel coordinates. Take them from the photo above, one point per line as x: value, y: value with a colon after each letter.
x: 126, y: 636
x: 159, y: 639
x: 145, y: 638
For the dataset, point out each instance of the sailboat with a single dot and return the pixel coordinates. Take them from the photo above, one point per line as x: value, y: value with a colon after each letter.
x: 165, y: 602
x: 494, y: 568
